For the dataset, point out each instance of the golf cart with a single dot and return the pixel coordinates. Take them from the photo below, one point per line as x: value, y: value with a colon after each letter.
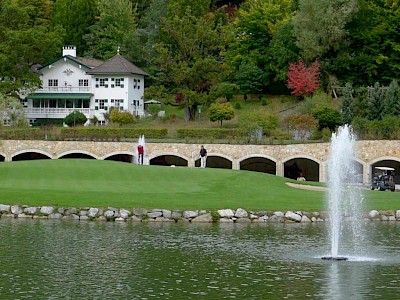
x: 383, y: 179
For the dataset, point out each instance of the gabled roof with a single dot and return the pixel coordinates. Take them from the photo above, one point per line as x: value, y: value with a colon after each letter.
x: 117, y: 65
x: 85, y: 62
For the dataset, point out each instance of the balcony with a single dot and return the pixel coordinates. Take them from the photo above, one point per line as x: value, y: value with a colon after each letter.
x: 56, y: 113
x: 63, y: 89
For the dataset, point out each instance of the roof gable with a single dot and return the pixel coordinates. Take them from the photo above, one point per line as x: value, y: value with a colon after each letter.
x: 84, y: 62
x: 117, y: 65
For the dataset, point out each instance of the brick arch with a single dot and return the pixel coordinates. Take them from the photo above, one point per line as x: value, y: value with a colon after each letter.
x: 77, y: 152
x: 302, y: 165
x: 169, y: 159
x: 258, y: 163
x: 386, y: 161
x: 216, y: 160
x: 30, y: 155
x: 124, y: 156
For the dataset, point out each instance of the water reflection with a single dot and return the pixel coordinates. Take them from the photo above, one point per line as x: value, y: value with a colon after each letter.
x: 44, y: 259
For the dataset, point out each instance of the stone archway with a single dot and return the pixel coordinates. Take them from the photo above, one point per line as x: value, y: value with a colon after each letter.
x: 2, y: 158
x: 168, y: 160
x: 128, y: 158
x: 77, y: 155
x: 305, y: 167
x: 215, y: 161
x: 258, y: 164
x: 391, y: 163
x: 31, y: 155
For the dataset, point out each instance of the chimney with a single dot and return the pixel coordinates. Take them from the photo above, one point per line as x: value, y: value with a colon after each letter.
x: 69, y: 50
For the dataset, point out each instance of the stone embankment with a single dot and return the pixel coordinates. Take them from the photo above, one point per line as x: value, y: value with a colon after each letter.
x: 163, y: 215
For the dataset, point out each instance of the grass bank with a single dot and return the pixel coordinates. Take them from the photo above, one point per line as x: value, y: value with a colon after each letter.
x: 96, y: 183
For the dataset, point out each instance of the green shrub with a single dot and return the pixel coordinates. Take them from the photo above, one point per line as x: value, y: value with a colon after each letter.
x: 104, y: 133
x: 28, y: 133
x: 237, y: 105
x: 121, y: 117
x: 214, y: 133
x: 76, y: 118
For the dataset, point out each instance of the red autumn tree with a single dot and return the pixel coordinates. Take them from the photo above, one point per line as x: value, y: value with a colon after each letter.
x: 303, y: 80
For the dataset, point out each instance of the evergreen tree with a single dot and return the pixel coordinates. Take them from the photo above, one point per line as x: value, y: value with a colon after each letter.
x: 115, y: 27
x: 391, y: 105
x: 376, y: 97
x: 76, y: 17
x: 347, y: 104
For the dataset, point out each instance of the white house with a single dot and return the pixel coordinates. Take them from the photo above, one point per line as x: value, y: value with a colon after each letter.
x: 90, y: 86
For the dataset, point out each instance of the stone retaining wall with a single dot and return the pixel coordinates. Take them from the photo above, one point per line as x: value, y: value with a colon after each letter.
x: 163, y: 215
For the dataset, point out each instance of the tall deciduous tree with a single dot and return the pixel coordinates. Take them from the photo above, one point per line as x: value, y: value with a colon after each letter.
x: 347, y: 104
x: 320, y: 26
x: 25, y: 40
x: 115, y: 27
x: 303, y: 80
x: 188, y: 59
x: 76, y: 17
x: 253, y: 45
x: 220, y: 112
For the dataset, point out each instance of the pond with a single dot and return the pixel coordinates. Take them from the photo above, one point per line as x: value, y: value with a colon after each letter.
x: 46, y: 259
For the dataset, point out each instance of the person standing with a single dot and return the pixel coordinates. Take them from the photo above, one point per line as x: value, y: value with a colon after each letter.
x: 140, y: 150
x: 203, y: 157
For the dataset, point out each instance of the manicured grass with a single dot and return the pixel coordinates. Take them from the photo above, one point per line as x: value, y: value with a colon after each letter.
x: 96, y: 183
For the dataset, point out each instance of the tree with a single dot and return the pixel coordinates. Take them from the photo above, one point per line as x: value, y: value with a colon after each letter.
x: 320, y: 26
x: 75, y: 17
x: 26, y: 39
x: 121, y: 117
x: 11, y: 111
x: 220, y: 112
x: 302, y: 80
x: 255, y: 27
x: 115, y: 27
x: 391, y: 105
x: 327, y: 118
x: 188, y: 58
x: 347, y: 104
x: 250, y: 122
x: 376, y: 95
x: 76, y: 118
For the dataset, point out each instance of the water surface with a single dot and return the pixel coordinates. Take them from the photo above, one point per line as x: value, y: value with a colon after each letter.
x: 46, y: 259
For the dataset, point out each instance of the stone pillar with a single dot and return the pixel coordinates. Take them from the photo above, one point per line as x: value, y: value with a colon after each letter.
x: 279, y: 168
x: 322, y: 172
x: 235, y: 164
x: 367, y: 174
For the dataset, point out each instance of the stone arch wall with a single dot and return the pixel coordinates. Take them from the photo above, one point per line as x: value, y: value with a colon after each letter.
x: 368, y: 152
x: 33, y: 150
x: 61, y: 155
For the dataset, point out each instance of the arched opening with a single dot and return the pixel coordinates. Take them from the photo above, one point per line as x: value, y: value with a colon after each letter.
x: 387, y: 163
x: 169, y: 160
x: 121, y: 157
x: 77, y: 155
x: 29, y: 156
x: 258, y: 164
x: 2, y: 158
x: 214, y: 161
x: 302, y: 167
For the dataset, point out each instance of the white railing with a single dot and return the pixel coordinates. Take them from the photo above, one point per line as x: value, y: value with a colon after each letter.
x: 49, y: 111
x: 58, y: 89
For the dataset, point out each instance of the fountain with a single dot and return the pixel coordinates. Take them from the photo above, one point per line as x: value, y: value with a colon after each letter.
x: 344, y: 198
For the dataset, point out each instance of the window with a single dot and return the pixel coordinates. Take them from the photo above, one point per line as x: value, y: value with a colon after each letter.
x: 53, y: 82
x: 119, y: 82
x: 118, y: 103
x: 83, y: 82
x: 103, y: 82
x: 102, y: 104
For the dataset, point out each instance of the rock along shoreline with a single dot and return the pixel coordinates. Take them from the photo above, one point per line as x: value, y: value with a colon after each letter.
x: 238, y: 215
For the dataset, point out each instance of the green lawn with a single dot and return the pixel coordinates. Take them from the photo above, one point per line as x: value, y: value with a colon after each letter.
x: 97, y: 183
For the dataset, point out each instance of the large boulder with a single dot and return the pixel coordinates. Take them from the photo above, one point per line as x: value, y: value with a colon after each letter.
x: 226, y: 213
x: 241, y: 213
x: 16, y: 210
x: 373, y: 214
x: 188, y: 214
x: 47, y: 210
x: 4, y: 208
x: 205, y: 218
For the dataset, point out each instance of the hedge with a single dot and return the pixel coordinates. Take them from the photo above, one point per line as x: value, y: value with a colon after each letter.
x: 214, y: 133
x: 111, y: 133
x: 28, y: 133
